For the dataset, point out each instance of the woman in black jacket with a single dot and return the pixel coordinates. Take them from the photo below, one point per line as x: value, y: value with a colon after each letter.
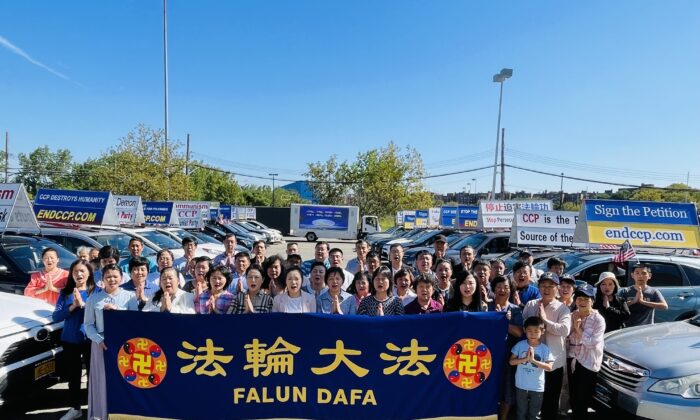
x: 613, y: 308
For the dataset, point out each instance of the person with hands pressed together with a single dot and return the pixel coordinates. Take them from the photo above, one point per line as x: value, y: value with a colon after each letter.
x: 70, y: 308
x: 613, y: 307
x: 358, y: 263
x: 185, y: 264
x: 533, y: 359
x: 47, y: 283
x: 110, y: 298
x: 557, y: 320
x: 170, y: 298
x: 585, y: 351
x: 642, y: 299
x: 381, y: 302
x: 329, y: 301
x: 443, y: 281
x: 526, y: 291
x: 226, y: 258
x: 216, y: 299
x: 482, y: 272
x: 254, y: 300
x: 201, y: 268
x: 144, y: 290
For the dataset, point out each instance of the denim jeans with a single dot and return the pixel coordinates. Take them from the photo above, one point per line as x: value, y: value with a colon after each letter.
x: 528, y: 403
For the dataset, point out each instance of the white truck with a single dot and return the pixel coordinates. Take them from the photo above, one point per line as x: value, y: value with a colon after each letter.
x: 314, y: 221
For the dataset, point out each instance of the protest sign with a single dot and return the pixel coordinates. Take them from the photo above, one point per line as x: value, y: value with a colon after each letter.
x: 643, y: 223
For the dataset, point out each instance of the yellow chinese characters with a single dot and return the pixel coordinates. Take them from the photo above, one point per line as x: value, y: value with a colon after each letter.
x: 341, y: 356
x: 210, y: 359
x: 277, y: 359
x: 414, y: 359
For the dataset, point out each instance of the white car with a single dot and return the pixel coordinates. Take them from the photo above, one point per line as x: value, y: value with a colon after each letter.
x: 30, y: 342
x: 155, y: 239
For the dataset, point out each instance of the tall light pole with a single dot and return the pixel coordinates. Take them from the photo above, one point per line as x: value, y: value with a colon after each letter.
x: 475, y: 190
x: 498, y: 78
x: 273, y: 188
x: 165, y: 77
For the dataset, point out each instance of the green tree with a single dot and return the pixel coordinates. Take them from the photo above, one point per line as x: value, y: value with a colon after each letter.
x: 214, y: 185
x: 329, y: 181
x: 139, y: 165
x: 43, y: 168
x: 380, y: 181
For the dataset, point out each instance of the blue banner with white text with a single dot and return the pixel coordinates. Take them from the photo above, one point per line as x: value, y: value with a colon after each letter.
x: 304, y: 365
x: 158, y: 213
x: 70, y: 206
x: 467, y: 216
x: 448, y: 216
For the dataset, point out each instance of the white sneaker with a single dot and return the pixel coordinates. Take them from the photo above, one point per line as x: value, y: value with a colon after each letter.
x: 72, y: 414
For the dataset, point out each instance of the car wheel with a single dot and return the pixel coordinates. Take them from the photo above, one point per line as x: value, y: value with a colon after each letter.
x: 311, y: 237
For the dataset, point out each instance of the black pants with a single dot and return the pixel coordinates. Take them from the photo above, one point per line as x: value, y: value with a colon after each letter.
x: 552, y: 390
x: 72, y: 354
x: 581, y: 386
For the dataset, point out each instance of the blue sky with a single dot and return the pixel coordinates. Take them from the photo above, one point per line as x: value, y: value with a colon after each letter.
x: 601, y: 90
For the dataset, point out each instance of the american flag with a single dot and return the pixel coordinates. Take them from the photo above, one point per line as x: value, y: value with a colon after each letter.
x: 607, y: 246
x: 626, y: 253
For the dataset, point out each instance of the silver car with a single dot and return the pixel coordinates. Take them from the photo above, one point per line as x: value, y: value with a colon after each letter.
x: 652, y: 371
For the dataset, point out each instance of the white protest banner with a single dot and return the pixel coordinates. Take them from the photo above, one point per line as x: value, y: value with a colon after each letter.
x: 543, y: 228
x: 129, y: 210
x: 15, y: 209
x: 434, y: 217
x: 499, y: 214
x: 192, y: 214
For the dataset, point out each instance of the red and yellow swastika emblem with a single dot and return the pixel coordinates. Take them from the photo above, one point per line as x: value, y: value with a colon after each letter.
x: 142, y: 363
x: 467, y: 364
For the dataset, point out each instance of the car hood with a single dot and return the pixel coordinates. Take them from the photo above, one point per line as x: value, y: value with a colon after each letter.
x: 20, y: 313
x: 678, y: 342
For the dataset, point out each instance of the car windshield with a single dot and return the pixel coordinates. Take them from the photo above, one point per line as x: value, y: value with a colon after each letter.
x: 180, y: 233
x: 204, y: 238
x: 160, y: 239
x: 472, y: 240
x: 27, y: 255
x: 572, y: 259
x: 121, y: 242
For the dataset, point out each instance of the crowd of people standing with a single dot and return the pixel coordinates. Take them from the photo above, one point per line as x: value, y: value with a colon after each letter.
x: 555, y: 332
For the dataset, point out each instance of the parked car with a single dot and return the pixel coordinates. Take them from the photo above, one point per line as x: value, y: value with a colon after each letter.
x: 409, y: 256
x: 30, y: 346
x: 260, y: 225
x: 20, y: 256
x: 72, y: 239
x: 677, y: 277
x: 219, y: 233
x: 272, y: 236
x: 486, y: 245
x: 651, y: 372
x: 156, y: 240
x: 206, y: 245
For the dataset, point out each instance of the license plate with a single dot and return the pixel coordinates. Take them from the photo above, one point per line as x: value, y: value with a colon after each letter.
x: 44, y: 368
x: 604, y: 395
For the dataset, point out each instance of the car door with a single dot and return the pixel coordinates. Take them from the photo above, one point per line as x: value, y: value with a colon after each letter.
x: 668, y: 278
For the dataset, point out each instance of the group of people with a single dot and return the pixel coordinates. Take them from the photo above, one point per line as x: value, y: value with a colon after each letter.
x: 555, y: 332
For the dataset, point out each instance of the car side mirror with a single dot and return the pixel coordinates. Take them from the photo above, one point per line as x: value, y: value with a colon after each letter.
x: 4, y: 269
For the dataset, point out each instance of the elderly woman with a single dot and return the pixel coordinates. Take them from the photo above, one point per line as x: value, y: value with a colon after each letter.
x: 358, y: 290
x: 254, y: 300
x: 46, y: 283
x: 170, y: 298
x: 138, y: 269
x: 403, y: 279
x: 381, y: 302
x: 293, y: 299
x: 110, y: 298
x: 329, y: 301
x: 274, y: 275
x: 202, y: 265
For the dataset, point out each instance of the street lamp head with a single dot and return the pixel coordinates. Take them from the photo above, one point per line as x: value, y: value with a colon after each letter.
x: 503, y: 75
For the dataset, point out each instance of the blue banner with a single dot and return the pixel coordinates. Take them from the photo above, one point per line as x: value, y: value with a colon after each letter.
x: 225, y: 211
x: 467, y: 216
x: 322, y: 217
x: 71, y: 206
x: 448, y: 216
x: 421, y: 214
x: 641, y: 212
x: 158, y: 213
x: 304, y: 365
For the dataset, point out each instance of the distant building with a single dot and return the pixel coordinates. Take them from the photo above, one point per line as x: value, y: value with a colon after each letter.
x: 301, y: 188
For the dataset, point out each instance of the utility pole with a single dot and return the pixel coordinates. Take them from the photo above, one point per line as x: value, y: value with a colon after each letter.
x: 165, y: 77
x: 7, y: 155
x: 561, y: 189
x: 273, y: 188
x: 503, y: 165
x: 187, y: 156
